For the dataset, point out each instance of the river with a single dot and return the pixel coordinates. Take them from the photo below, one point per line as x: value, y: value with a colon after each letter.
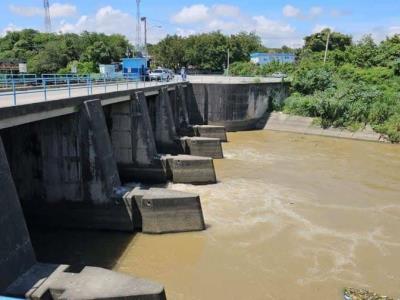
x: 292, y: 217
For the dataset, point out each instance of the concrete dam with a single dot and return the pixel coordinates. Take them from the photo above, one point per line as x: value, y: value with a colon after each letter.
x: 100, y: 162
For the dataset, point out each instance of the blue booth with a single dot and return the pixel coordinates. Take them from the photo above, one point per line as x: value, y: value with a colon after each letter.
x: 135, y: 68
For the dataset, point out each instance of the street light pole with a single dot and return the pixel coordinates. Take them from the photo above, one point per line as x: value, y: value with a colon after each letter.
x: 227, y: 65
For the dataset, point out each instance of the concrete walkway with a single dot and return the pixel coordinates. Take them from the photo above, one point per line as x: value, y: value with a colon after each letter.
x: 283, y: 122
x: 39, y: 95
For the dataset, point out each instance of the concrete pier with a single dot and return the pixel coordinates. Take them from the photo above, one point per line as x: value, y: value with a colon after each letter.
x: 201, y: 146
x: 48, y: 281
x: 65, y: 171
x: 211, y: 131
x: 137, y: 145
x: 22, y: 277
x: 166, y: 211
x: 189, y: 169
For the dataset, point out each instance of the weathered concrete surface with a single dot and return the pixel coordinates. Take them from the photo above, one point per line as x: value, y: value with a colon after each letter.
x: 44, y: 281
x: 200, y: 146
x: 238, y: 106
x: 16, y: 252
x: 283, y: 122
x: 28, y: 113
x: 166, y: 211
x: 189, y: 169
x: 166, y: 135
x: 65, y: 172
x: 133, y: 141
x: 136, y: 144
x: 211, y: 131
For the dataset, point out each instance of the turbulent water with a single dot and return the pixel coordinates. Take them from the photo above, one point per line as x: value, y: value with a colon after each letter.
x: 292, y: 217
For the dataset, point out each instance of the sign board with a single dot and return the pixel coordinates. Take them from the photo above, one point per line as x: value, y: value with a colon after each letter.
x: 74, y: 69
x: 23, y: 68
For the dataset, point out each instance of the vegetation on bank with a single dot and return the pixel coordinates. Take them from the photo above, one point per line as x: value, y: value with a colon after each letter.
x: 358, y: 85
x: 53, y: 53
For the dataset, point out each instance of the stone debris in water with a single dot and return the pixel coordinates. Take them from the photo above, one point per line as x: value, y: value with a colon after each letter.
x: 361, y: 294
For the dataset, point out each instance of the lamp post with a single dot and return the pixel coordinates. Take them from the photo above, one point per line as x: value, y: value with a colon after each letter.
x: 144, y: 20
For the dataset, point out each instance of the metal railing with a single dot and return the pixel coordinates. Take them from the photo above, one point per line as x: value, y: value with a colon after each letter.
x: 19, y: 90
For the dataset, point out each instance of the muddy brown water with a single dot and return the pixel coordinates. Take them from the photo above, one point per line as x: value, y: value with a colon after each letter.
x: 292, y: 217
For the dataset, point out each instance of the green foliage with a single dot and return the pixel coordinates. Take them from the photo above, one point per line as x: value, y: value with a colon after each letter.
x: 51, y: 53
x: 309, y: 78
x: 82, y: 68
x: 317, y: 42
x: 205, y: 52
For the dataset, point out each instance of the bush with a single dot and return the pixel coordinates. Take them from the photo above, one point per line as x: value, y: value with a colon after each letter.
x: 308, y: 81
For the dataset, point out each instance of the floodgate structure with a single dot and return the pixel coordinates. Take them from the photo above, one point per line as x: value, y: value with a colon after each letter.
x: 100, y: 162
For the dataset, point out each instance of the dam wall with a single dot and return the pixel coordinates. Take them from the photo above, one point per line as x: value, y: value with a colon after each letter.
x: 237, y: 106
x: 64, y: 163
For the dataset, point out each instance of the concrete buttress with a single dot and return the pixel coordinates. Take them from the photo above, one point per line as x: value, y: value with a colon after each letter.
x: 16, y: 252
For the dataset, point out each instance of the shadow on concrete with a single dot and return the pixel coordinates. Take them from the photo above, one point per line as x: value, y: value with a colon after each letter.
x: 262, y: 122
x: 79, y: 248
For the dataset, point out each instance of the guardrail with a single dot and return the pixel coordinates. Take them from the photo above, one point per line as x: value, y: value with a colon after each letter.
x: 51, y: 87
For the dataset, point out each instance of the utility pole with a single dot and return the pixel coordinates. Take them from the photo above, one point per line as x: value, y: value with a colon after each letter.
x: 327, y: 46
x: 138, y: 27
x: 228, y: 64
x: 144, y: 20
x: 47, y: 19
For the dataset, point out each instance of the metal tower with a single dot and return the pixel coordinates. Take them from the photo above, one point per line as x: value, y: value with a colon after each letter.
x: 47, y: 19
x: 138, y: 27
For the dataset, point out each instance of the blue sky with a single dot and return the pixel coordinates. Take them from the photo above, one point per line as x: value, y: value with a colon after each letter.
x: 277, y: 22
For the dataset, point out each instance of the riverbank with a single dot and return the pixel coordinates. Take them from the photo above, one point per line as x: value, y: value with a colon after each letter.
x: 279, y: 121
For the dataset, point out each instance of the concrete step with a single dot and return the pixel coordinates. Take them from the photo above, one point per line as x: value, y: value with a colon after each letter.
x: 201, y: 146
x: 210, y: 131
x: 166, y: 211
x: 189, y: 169
x: 45, y: 281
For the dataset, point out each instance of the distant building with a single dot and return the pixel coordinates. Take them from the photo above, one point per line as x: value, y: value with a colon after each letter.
x: 107, y: 70
x: 135, y: 67
x: 9, y: 67
x: 266, y: 58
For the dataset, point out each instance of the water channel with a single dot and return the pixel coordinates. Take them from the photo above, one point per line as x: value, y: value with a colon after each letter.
x: 292, y: 217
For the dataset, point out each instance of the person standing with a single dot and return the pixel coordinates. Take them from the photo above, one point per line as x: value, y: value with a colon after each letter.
x: 183, y: 74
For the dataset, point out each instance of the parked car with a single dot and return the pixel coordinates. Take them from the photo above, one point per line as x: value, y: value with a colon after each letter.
x: 160, y: 75
x: 172, y: 74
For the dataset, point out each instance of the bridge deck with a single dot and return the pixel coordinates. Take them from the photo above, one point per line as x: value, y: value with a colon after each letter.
x: 34, y: 95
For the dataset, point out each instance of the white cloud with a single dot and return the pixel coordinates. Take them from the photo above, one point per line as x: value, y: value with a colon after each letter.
x: 191, y: 14
x: 379, y: 33
x: 10, y: 28
x: 393, y: 30
x: 319, y: 27
x: 226, y: 10
x: 229, y: 19
x: 57, y: 10
x: 111, y: 21
x: 290, y: 11
x: 107, y: 20
x: 337, y: 13
x: 316, y: 11
x: 185, y: 32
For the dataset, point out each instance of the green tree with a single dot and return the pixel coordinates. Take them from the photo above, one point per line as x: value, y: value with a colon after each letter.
x: 317, y: 42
